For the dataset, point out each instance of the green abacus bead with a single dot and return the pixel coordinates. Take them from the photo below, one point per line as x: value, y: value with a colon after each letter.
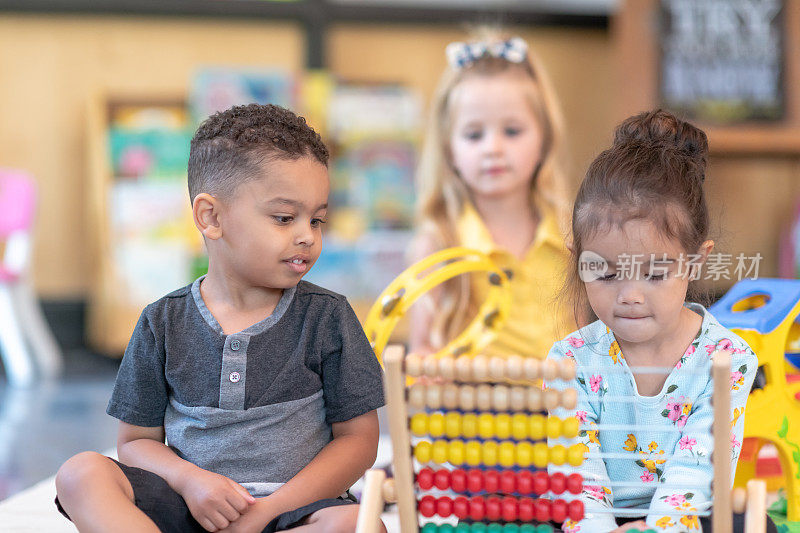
x: 511, y: 528
x: 544, y: 528
x: 649, y: 531
x: 527, y: 528
x: 430, y: 527
x: 446, y: 528
x: 463, y: 528
x: 494, y: 527
x: 478, y: 527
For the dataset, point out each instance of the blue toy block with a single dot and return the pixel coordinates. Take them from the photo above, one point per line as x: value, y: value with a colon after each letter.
x: 782, y: 296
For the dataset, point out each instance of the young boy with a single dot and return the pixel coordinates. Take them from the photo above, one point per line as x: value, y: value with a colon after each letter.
x: 264, y: 386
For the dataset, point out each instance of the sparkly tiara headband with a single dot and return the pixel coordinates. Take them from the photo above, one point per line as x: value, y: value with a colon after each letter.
x: 461, y: 55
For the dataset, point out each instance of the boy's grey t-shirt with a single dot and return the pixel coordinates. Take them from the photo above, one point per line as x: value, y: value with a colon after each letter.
x: 257, y: 405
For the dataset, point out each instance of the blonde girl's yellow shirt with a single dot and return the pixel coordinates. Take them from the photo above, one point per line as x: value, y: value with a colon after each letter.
x: 537, y: 319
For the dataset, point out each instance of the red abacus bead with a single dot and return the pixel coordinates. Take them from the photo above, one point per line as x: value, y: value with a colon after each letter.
x: 509, y: 509
x: 575, y: 483
x: 525, y: 507
x: 576, y: 510
x: 541, y: 482
x: 477, y: 508
x: 427, y: 506
x: 558, y: 482
x: 541, y: 509
x: 474, y: 481
x: 558, y: 510
x: 508, y: 482
x: 494, y: 508
x: 458, y: 480
x: 524, y: 482
x: 425, y: 478
x: 444, y: 506
x: 491, y: 481
x: 461, y: 507
x: 441, y: 479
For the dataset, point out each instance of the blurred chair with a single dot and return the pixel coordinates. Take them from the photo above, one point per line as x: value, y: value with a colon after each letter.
x: 27, y: 346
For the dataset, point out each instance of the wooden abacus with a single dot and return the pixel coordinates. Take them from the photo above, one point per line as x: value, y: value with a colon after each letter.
x: 491, y: 422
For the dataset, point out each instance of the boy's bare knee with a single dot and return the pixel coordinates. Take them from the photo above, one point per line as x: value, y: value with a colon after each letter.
x: 340, y: 519
x: 84, y: 470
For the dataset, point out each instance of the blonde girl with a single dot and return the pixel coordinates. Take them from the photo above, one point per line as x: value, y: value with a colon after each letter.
x: 490, y: 179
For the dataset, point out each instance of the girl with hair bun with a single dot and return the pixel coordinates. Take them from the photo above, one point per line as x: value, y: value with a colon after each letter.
x: 640, y: 234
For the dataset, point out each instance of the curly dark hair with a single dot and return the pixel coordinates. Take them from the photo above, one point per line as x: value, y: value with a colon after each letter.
x: 232, y: 146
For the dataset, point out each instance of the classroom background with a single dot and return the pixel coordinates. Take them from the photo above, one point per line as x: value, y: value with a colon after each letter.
x: 98, y: 101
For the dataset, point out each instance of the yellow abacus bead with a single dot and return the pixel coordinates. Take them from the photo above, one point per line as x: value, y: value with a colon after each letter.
x: 486, y: 425
x: 452, y: 425
x: 450, y: 396
x: 502, y: 426
x: 466, y: 397
x: 536, y: 427
x: 558, y: 454
x: 436, y: 425
x: 439, y: 452
x: 500, y: 395
x: 551, y: 399
x: 506, y: 454
x: 419, y: 424
x: 416, y: 396
x: 540, y: 455
x: 456, y: 452
x: 553, y: 427
x: 472, y: 452
x: 489, y: 452
x: 524, y: 454
x: 447, y: 367
x: 469, y: 425
x: 575, y: 454
x: 413, y: 364
x: 568, y: 398
x: 570, y: 427
x: 519, y: 426
x: 514, y: 366
x: 422, y: 451
x: 549, y: 370
x: 518, y: 399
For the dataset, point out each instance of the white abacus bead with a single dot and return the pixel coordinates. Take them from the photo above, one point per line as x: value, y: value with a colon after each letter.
x: 569, y: 399
x: 497, y: 368
x: 549, y: 370
x: 466, y: 397
x: 416, y: 395
x: 518, y: 398
x: 532, y: 368
x: 430, y: 366
x: 568, y: 369
x: 413, y: 365
x: 514, y: 367
x: 480, y: 368
x: 483, y: 397
x: 464, y: 368
x: 534, y: 398
x: 450, y: 396
x: 552, y: 399
x: 447, y: 367
x: 500, y: 398
x: 433, y: 396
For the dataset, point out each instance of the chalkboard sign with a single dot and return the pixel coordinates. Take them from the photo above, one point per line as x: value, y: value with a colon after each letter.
x: 722, y: 61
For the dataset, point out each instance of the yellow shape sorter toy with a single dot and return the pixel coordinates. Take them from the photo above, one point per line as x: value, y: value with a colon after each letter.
x: 764, y: 312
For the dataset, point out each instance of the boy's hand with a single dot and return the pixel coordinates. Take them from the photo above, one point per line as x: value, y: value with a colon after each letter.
x: 214, y: 500
x: 255, y: 520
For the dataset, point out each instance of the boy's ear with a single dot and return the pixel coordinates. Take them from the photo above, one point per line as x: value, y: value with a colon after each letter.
x: 706, y: 248
x: 205, y: 211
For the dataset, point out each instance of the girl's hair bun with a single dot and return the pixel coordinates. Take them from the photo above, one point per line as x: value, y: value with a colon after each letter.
x: 661, y: 129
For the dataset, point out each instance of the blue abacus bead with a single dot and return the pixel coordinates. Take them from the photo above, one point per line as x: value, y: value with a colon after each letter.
x: 430, y: 527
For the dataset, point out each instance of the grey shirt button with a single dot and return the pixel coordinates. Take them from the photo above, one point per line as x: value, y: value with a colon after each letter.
x: 235, y: 345
x: 234, y: 377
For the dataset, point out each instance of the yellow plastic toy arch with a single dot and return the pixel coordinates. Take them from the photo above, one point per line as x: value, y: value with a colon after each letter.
x: 408, y: 287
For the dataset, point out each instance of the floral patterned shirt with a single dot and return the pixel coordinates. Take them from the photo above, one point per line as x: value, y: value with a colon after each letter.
x: 660, y: 444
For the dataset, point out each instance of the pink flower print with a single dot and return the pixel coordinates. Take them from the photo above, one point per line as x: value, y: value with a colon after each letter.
x: 595, y: 382
x: 647, y: 477
x: 575, y: 342
x: 581, y: 416
x: 734, y: 443
x: 570, y: 354
x: 681, y: 421
x: 735, y: 376
x: 689, y: 351
x: 594, y: 491
x: 686, y: 443
x: 570, y: 526
x: 674, y: 411
x: 724, y: 344
x: 675, y: 500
